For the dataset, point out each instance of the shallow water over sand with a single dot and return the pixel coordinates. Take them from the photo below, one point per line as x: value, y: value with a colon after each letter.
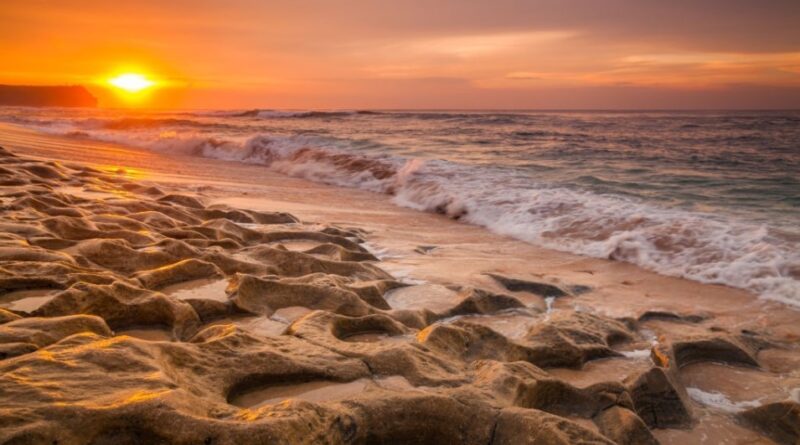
x: 430, y: 296
x: 320, y: 391
x: 207, y: 289
x: 26, y: 300
x: 148, y: 333
x: 314, y: 391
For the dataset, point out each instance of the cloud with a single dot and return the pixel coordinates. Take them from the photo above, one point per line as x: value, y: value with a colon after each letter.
x: 492, y: 52
x: 466, y: 46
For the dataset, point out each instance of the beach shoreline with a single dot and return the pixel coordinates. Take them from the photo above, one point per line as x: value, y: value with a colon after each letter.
x: 253, y: 186
x: 437, y: 255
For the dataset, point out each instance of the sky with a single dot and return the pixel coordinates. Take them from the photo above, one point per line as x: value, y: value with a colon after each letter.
x: 469, y: 54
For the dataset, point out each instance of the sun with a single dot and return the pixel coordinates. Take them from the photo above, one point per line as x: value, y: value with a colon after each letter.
x: 131, y: 82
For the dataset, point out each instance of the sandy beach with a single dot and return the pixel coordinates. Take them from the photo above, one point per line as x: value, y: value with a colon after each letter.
x: 152, y: 298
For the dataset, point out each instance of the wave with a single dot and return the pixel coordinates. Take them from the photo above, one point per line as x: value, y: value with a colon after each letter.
x: 144, y: 123
x: 699, y: 246
x: 279, y: 114
x: 487, y: 118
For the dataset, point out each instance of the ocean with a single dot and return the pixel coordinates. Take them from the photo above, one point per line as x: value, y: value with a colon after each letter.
x: 709, y: 196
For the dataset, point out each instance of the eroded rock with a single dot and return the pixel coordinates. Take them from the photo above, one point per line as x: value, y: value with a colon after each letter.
x: 518, y: 285
x: 780, y: 421
x: 113, y: 356
x: 624, y: 427
x: 181, y: 271
x: 659, y: 400
x: 717, y: 348
x: 517, y: 426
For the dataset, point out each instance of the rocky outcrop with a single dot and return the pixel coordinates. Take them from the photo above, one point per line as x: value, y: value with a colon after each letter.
x: 659, y: 400
x: 518, y: 285
x: 293, y: 344
x: 46, y: 331
x: 573, y: 338
x: 780, y: 421
x: 624, y: 427
x: 527, y: 427
x: 716, y: 348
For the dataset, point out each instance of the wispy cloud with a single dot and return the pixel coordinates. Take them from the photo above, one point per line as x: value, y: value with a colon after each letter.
x: 466, y: 46
x: 692, y: 70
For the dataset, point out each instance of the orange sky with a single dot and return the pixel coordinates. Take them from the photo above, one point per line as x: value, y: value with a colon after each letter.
x: 414, y: 54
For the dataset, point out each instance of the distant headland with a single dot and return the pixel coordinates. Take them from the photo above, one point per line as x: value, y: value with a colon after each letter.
x: 46, y: 96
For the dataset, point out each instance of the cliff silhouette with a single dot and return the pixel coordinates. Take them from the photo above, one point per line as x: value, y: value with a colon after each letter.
x: 46, y: 96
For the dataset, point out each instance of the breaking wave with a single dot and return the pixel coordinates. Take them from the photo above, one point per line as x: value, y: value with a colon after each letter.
x: 136, y: 123
x: 304, y: 114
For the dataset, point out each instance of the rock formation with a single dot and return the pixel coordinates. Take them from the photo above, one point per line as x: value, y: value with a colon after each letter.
x: 99, y: 346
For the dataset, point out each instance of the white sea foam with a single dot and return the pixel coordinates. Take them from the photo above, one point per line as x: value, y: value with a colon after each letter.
x: 548, y: 301
x: 719, y: 401
x: 277, y: 114
x: 637, y: 353
x: 381, y: 253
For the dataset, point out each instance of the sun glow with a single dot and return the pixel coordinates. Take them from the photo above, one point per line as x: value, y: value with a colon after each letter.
x: 131, y: 82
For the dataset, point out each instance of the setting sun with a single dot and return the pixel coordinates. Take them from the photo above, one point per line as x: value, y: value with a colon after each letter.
x: 132, y: 83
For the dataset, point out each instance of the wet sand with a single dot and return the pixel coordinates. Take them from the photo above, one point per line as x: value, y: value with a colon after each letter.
x: 443, y: 292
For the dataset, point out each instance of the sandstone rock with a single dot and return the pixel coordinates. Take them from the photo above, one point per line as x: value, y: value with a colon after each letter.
x: 296, y: 264
x: 230, y: 265
x: 14, y: 282
x: 672, y: 316
x: 210, y: 310
x: 181, y: 271
x: 659, y: 400
x: 415, y: 417
x: 524, y: 385
x: 265, y: 296
x: 6, y: 316
x: 517, y: 285
x: 570, y: 339
x: 45, y: 331
x: 183, y: 200
x: 32, y: 255
x: 624, y: 427
x: 272, y: 217
x: 322, y: 237
x: 517, y: 426
x: 385, y: 345
x: 124, y: 389
x: 411, y: 375
x: 339, y: 253
x: 122, y: 305
x: 424, y: 249
x: 372, y: 291
x: 8, y: 350
x: 780, y: 421
x: 717, y: 348
x: 118, y: 256
x: 479, y: 301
